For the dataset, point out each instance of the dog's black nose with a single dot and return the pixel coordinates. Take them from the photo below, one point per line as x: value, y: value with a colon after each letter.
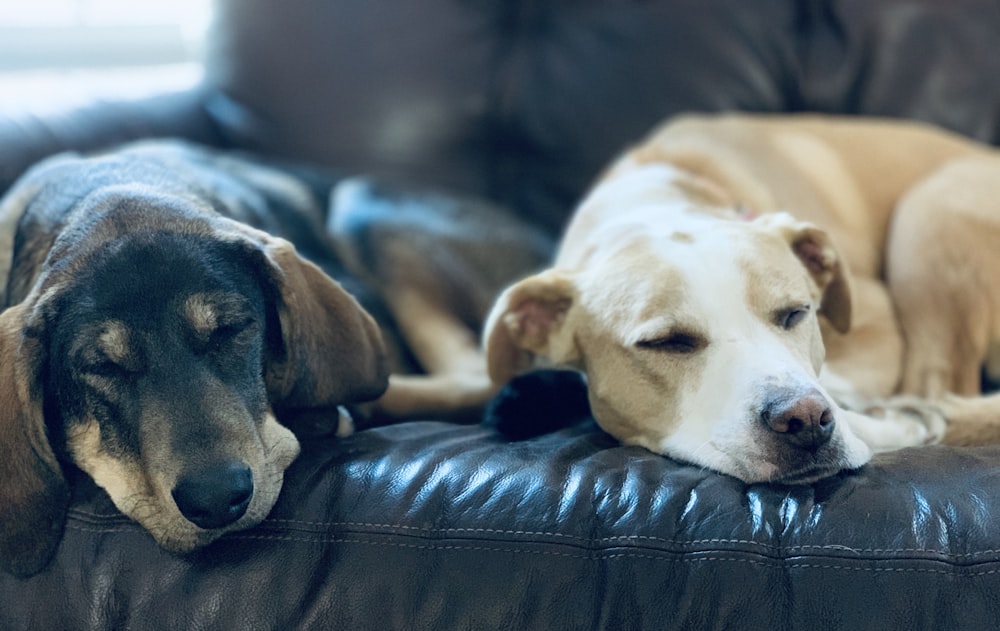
x: 801, y: 419
x: 215, y: 496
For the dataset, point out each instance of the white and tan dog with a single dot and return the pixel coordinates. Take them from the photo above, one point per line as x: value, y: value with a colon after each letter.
x: 776, y: 298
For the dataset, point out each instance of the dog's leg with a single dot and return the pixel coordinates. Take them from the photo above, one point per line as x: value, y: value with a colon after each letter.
x: 864, y: 364
x: 456, y: 385
x: 438, y: 263
x: 943, y: 271
x: 971, y: 420
x: 898, y: 423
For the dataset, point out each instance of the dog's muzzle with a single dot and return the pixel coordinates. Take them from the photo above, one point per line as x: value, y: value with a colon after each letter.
x: 802, y: 419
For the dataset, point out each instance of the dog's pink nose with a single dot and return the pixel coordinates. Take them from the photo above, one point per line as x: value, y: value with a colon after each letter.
x: 801, y: 419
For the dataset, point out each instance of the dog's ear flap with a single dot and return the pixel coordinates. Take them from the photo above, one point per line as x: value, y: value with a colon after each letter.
x: 331, y: 351
x: 528, y: 322
x: 34, y: 494
x: 814, y: 248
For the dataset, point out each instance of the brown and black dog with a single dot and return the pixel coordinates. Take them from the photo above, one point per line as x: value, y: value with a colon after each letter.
x: 153, y: 332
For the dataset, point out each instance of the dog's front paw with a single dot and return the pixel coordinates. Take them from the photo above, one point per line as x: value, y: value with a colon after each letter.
x: 538, y: 402
x: 920, y: 421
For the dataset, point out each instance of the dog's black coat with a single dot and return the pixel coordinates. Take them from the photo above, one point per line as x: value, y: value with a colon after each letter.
x: 152, y: 334
x: 165, y: 355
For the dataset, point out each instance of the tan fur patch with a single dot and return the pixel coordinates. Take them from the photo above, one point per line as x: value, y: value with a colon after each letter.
x: 201, y: 311
x: 144, y: 494
x: 113, y: 341
x: 123, y: 479
x: 717, y: 181
x: 827, y: 173
x: 11, y: 210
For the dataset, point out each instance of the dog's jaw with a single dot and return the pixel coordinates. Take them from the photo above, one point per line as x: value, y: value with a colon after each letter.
x: 752, y: 461
x: 145, y: 495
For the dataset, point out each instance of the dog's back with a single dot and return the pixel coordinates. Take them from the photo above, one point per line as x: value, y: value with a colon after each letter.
x: 845, y: 174
x: 49, y: 196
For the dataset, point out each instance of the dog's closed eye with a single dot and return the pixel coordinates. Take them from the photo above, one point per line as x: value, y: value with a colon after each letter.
x: 232, y: 332
x: 105, y: 368
x: 790, y: 317
x: 106, y: 350
x: 220, y: 320
x: 675, y: 342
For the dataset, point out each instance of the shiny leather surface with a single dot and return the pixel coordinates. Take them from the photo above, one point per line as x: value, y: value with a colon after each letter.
x: 26, y: 137
x: 435, y: 526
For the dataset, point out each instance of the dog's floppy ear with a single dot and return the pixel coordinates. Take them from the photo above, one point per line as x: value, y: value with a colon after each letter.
x: 814, y: 248
x: 34, y: 494
x: 331, y: 350
x: 528, y: 322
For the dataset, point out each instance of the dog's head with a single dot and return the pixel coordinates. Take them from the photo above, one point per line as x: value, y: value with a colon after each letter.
x: 154, y: 352
x: 700, y: 341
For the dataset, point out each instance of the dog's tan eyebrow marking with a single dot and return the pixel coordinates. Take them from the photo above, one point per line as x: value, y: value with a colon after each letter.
x: 207, y: 311
x: 201, y: 312
x: 113, y: 341
x: 681, y: 237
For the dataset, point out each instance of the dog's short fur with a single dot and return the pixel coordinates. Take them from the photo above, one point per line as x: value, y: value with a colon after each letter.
x: 151, y: 337
x: 437, y: 262
x: 776, y: 297
x: 771, y: 297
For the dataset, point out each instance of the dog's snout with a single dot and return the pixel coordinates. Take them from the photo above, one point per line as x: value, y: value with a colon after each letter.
x: 804, y: 420
x: 215, y: 496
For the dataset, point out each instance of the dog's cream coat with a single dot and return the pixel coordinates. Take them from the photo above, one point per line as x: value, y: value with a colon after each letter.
x: 776, y: 297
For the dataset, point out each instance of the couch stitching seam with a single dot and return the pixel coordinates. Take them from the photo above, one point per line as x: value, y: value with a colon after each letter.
x: 330, y: 537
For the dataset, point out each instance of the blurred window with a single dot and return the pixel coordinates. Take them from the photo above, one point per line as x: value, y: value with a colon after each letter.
x: 55, y: 54
x: 65, y: 34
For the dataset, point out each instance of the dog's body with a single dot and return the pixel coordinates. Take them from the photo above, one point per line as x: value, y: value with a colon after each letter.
x: 437, y: 263
x: 151, y: 337
x: 717, y: 329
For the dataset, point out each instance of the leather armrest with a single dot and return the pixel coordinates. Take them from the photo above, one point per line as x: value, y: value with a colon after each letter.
x: 26, y: 137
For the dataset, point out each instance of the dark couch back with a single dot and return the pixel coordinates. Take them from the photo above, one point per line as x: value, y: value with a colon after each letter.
x: 437, y: 526
x: 525, y: 100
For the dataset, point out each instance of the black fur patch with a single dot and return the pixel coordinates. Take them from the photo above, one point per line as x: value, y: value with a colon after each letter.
x: 538, y: 402
x: 168, y: 368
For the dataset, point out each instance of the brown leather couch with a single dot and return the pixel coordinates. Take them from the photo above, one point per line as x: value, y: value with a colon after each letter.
x: 429, y: 525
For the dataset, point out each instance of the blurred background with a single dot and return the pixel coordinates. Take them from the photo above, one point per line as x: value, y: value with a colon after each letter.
x: 56, y: 53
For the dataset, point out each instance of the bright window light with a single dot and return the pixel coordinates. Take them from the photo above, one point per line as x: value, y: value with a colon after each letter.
x: 58, y: 54
x: 67, y: 34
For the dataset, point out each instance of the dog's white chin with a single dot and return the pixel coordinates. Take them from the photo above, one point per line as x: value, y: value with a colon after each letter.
x: 844, y: 453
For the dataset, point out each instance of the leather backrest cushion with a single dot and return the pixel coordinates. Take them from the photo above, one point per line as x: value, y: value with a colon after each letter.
x: 526, y: 100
